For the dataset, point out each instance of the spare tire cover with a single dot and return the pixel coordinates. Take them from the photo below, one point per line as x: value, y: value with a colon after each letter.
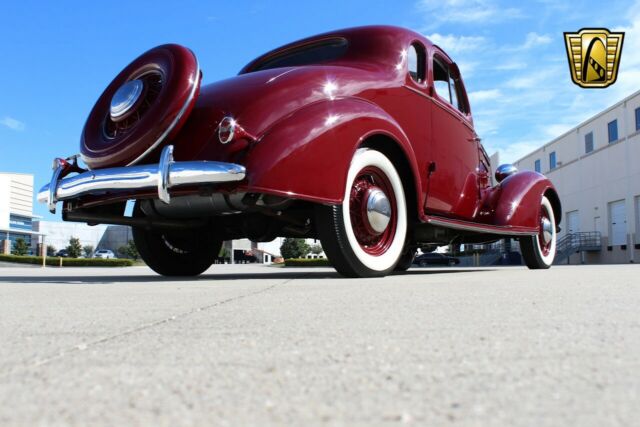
x: 167, y: 82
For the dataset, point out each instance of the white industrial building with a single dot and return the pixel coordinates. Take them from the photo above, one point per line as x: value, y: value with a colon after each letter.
x: 109, y: 237
x: 18, y: 221
x: 16, y: 211
x: 596, y: 170
x: 264, y: 252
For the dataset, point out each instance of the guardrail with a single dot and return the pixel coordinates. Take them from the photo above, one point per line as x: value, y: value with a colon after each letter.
x: 571, y: 243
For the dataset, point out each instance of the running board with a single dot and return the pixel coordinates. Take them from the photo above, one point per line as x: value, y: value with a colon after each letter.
x: 480, y: 228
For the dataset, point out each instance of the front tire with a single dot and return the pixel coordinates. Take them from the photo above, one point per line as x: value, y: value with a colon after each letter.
x: 177, y: 253
x: 365, y: 235
x: 539, y: 251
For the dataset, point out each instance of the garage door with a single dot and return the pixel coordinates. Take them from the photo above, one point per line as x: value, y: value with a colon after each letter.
x: 617, y: 223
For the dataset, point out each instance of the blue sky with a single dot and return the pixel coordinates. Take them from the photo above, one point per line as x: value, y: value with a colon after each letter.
x: 57, y: 57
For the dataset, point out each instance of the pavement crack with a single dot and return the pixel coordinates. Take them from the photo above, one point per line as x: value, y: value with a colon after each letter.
x: 85, y: 346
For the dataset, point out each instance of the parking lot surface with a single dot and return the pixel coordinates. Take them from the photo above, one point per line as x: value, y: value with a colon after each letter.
x: 258, y: 345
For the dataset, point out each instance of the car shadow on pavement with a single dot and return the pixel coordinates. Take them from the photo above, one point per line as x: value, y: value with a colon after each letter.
x: 212, y: 277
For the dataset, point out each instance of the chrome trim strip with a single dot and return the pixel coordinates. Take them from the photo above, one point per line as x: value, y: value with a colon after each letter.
x: 177, y: 118
x: 479, y: 228
x: 166, y: 159
x: 53, y: 186
x: 142, y: 177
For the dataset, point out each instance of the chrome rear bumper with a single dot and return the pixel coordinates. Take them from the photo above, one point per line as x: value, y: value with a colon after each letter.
x: 162, y: 176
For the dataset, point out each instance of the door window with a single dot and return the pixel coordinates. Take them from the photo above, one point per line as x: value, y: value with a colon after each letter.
x: 441, y: 81
x: 447, y: 85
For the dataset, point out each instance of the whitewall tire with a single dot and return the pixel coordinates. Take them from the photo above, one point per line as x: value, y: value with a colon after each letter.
x: 365, y: 235
x: 539, y: 251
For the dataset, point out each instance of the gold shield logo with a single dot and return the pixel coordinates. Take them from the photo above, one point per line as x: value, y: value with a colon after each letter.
x: 594, y: 56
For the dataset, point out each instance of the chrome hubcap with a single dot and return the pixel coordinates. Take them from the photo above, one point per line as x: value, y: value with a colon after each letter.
x: 125, y: 99
x: 378, y: 211
x: 547, y: 230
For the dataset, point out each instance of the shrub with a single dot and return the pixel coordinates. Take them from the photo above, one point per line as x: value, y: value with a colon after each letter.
x: 294, y: 248
x: 20, y: 247
x: 316, y: 248
x: 75, y: 248
x: 68, y: 262
x: 129, y: 250
x: 305, y: 262
x: 51, y: 250
x: 88, y: 251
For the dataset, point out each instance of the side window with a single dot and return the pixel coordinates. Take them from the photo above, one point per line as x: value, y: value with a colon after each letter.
x: 448, y: 86
x: 454, y: 93
x: 416, y: 62
x: 459, y: 98
x: 441, y: 80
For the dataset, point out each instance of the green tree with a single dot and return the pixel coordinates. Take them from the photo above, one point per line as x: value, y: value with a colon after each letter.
x: 51, y: 250
x: 129, y: 250
x: 75, y: 248
x: 294, y: 248
x: 316, y: 249
x: 20, y: 247
x: 224, y: 252
x: 88, y: 251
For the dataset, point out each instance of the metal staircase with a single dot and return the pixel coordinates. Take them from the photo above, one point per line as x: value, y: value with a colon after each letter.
x: 571, y: 243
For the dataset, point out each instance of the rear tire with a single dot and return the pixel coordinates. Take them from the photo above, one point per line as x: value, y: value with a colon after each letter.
x: 177, y: 253
x: 406, y: 260
x: 539, y: 251
x: 347, y: 231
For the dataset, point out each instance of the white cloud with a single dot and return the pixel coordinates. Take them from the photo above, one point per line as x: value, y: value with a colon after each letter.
x: 467, y: 68
x: 480, y: 96
x: 465, y: 11
x: 453, y: 44
x: 512, y: 151
x: 12, y: 123
x: 534, y: 40
x: 510, y: 66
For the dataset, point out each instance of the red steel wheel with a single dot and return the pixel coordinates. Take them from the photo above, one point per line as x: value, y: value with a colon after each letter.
x: 142, y: 108
x: 369, y: 182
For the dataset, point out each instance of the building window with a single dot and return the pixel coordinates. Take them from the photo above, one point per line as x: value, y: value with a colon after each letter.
x: 637, y: 118
x: 537, y: 166
x: 613, y: 131
x: 588, y: 142
x: 552, y: 160
x: 18, y: 222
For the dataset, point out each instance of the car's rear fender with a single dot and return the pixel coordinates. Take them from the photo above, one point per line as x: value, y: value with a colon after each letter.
x: 307, y: 154
x: 515, y: 202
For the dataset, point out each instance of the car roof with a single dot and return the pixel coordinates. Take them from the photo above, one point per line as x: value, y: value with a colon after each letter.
x: 386, y: 40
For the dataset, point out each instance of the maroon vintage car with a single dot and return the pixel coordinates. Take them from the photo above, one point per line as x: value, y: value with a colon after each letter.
x: 362, y: 138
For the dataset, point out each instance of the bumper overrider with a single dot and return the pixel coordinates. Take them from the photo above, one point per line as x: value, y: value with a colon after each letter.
x: 162, y: 176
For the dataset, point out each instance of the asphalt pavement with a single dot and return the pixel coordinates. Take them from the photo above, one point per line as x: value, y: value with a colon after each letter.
x: 257, y: 345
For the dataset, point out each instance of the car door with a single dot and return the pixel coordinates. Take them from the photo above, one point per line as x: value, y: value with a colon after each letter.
x: 453, y: 180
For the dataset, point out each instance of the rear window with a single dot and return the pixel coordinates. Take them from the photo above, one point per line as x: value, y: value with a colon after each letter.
x: 315, y: 53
